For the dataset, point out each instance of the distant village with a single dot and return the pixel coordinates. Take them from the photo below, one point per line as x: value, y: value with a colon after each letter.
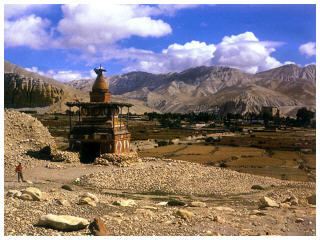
x: 269, y: 119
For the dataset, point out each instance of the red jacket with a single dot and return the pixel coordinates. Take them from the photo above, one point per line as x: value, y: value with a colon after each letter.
x: 19, y: 168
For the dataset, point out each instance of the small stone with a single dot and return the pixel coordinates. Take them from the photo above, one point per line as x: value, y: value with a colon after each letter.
x: 125, y: 203
x: 210, y: 233
x: 175, y: 202
x: 299, y: 220
x: 87, y: 200
x: 150, y: 207
x: 185, y: 214
x: 63, y: 202
x: 67, y: 187
x: 198, y: 204
x: 312, y: 199
x: 285, y: 205
x: 257, y: 187
x: 12, y: 193
x: 162, y: 203
x: 229, y: 209
x: 92, y: 196
x: 267, y: 202
x: 97, y: 227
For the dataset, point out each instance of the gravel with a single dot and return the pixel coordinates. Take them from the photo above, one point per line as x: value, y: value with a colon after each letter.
x: 180, y: 177
x: 24, y: 135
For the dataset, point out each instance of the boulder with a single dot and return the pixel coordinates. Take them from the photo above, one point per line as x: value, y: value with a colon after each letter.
x: 267, y: 202
x: 26, y: 197
x: 185, y: 214
x: 97, y: 227
x: 63, y: 222
x: 35, y: 193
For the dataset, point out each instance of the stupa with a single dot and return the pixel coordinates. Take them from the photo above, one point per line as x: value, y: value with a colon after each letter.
x: 99, y: 128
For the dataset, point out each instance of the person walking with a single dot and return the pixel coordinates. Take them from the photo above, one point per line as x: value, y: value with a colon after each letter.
x: 19, y: 171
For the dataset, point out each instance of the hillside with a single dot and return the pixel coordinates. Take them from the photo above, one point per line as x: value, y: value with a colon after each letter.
x: 25, y: 89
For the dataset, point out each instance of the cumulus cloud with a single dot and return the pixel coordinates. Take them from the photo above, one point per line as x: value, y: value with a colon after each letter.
x: 20, y: 10
x: 83, y: 27
x: 246, y: 52
x: 63, y: 75
x: 175, y: 58
x: 308, y: 49
x: 99, y: 25
x: 27, y: 31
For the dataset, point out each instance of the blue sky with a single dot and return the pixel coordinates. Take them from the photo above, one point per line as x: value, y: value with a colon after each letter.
x: 67, y: 41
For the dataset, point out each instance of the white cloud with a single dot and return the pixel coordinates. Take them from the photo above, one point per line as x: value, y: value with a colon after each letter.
x: 35, y: 70
x: 63, y: 75
x: 175, y: 58
x: 83, y: 27
x: 246, y: 52
x: 308, y: 49
x: 312, y: 63
x: 66, y: 76
x: 27, y: 31
x: 20, y: 10
x: 288, y: 62
x: 89, y: 26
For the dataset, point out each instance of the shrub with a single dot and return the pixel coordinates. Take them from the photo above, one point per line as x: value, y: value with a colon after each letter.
x: 162, y: 143
x: 175, y: 202
x: 223, y: 165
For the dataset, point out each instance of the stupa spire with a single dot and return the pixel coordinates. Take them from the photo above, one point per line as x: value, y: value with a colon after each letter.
x: 100, y: 89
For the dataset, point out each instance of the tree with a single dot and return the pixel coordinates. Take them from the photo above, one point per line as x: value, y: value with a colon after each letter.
x: 304, y: 116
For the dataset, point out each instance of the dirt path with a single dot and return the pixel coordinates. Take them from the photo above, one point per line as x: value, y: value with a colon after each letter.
x: 66, y: 173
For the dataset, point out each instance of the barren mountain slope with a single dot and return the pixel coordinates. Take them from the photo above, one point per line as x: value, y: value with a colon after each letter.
x: 23, y: 89
x: 203, y: 88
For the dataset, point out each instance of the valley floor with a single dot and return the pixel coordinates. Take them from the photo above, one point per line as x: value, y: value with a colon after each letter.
x: 217, y: 201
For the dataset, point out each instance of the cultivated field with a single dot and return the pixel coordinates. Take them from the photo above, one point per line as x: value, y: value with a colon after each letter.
x: 287, y: 155
x: 281, y: 164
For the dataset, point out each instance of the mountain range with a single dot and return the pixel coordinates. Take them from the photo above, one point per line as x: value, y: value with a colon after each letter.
x: 203, y: 88
x: 288, y: 87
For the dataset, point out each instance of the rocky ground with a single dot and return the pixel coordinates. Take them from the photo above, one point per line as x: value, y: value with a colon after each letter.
x: 147, y: 197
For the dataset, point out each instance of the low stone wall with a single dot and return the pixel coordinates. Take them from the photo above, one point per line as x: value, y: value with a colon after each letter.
x: 121, y: 160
